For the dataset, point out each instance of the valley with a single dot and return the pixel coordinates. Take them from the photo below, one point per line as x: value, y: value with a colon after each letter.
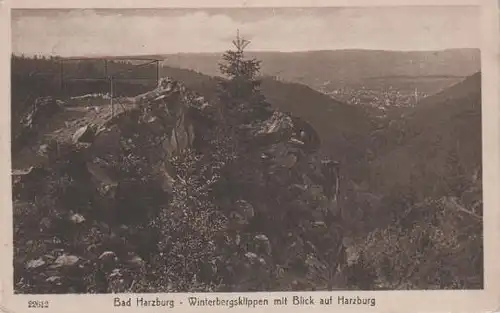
x: 375, y: 152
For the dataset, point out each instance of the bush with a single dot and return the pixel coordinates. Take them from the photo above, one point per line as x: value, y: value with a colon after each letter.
x: 434, y: 245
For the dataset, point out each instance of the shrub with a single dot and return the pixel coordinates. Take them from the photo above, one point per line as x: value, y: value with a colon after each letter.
x: 434, y: 245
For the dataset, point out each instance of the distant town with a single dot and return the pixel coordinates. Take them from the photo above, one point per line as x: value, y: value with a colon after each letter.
x: 377, y: 98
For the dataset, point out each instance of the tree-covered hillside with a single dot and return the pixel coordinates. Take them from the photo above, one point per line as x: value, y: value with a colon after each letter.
x: 241, y: 184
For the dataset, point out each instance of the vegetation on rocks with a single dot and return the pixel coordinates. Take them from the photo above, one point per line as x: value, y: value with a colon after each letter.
x: 185, y: 191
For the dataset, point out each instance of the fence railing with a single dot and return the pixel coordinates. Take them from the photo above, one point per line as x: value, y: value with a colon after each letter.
x: 129, y: 79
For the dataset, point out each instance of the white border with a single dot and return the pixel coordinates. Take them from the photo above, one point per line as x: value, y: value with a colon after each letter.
x: 487, y: 300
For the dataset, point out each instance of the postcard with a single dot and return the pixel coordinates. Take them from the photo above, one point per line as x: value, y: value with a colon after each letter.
x: 198, y: 156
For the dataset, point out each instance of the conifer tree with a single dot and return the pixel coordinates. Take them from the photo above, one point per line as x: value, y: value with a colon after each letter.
x: 240, y: 93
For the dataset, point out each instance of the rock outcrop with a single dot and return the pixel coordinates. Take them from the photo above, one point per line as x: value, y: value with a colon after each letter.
x: 37, y: 114
x: 184, y: 204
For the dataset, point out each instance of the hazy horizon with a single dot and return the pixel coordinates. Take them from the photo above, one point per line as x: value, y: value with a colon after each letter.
x: 106, y: 32
x: 249, y: 52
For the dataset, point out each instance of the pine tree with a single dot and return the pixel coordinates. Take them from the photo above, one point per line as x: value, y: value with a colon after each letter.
x: 240, y: 93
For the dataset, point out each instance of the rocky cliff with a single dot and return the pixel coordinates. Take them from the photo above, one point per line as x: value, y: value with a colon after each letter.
x: 168, y: 195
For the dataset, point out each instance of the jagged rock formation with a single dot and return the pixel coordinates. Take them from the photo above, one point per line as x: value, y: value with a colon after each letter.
x: 41, y: 110
x: 162, y: 198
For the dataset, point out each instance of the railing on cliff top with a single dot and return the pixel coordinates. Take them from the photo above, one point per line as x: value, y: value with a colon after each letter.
x: 107, y: 75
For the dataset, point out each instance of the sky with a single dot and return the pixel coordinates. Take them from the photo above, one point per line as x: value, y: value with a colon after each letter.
x: 161, y: 31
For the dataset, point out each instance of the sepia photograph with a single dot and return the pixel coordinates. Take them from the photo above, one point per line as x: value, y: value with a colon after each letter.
x: 212, y: 150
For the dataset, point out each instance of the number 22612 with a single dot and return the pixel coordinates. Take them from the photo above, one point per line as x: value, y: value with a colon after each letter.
x: 38, y: 304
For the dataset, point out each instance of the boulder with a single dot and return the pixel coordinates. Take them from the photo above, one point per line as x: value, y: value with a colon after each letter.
x: 251, y: 256
x: 236, y: 221
x: 108, y: 257
x: 278, y: 128
x: 85, y: 134
x: 278, y: 122
x: 54, y: 280
x: 181, y: 137
x: 245, y: 209
x: 77, y: 218
x: 30, y: 174
x: 105, y: 186
x: 165, y: 85
x: 66, y: 260
x: 42, y: 108
x: 107, y: 142
x: 135, y: 261
x: 43, y: 150
x: 34, y: 264
x: 165, y: 111
x: 263, y: 244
